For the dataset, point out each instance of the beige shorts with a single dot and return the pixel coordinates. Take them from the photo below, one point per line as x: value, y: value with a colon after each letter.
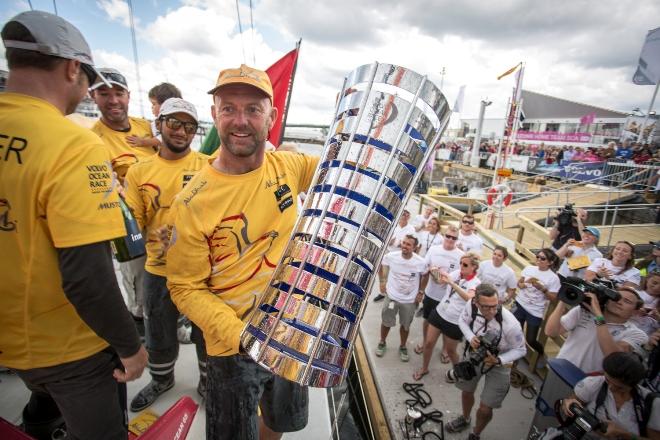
x: 405, y: 311
x: 498, y: 381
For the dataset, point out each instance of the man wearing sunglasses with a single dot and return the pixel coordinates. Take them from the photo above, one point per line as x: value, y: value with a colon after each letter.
x: 114, y: 128
x: 468, y: 240
x: 65, y: 329
x: 482, y: 315
x: 151, y: 186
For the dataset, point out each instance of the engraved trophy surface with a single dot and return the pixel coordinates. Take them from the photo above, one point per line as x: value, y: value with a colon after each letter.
x: 386, y: 122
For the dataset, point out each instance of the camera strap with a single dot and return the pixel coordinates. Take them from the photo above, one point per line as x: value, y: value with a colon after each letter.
x: 642, y: 407
x: 475, y: 313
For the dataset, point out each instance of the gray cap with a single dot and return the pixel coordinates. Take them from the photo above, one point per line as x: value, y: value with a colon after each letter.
x: 110, y: 76
x: 53, y: 36
x: 178, y: 105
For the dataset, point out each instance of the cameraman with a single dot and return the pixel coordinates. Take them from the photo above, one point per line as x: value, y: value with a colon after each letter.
x: 568, y: 224
x: 617, y: 400
x: 480, y: 316
x: 594, y: 333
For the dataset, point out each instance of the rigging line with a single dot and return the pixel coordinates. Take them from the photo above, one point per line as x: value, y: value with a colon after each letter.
x: 135, y: 55
x: 240, y: 30
x: 55, y: 7
x: 254, y: 54
x: 30, y: 3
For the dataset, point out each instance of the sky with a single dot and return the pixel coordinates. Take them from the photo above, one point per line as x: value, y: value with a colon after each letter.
x: 582, y: 50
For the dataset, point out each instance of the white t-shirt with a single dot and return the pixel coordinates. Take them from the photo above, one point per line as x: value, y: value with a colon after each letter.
x: 587, y: 391
x: 426, y: 240
x: 592, y: 252
x: 632, y: 275
x: 581, y: 346
x: 403, y: 277
x: 502, y: 278
x: 398, y: 236
x: 420, y: 221
x: 438, y: 257
x: 470, y: 242
x: 531, y: 298
x: 451, y: 306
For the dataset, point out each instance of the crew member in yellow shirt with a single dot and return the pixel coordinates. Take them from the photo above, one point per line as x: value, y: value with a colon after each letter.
x: 65, y: 328
x: 231, y: 224
x: 151, y: 186
x: 119, y: 132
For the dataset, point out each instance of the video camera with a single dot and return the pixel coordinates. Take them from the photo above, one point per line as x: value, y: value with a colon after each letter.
x: 466, y: 370
x: 566, y: 215
x: 573, y: 289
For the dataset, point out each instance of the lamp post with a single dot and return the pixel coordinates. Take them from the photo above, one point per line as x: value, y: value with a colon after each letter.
x: 474, y: 160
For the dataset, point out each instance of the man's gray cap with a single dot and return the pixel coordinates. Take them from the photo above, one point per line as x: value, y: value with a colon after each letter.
x: 53, y: 36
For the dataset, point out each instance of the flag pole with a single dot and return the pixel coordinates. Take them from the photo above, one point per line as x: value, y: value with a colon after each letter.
x: 640, y: 136
x: 288, y: 93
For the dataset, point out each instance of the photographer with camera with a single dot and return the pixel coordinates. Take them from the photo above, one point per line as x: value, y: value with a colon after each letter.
x: 626, y: 410
x: 568, y: 224
x: 495, y: 340
x: 598, y: 327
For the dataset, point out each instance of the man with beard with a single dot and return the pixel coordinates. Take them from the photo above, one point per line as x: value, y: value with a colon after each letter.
x: 231, y: 225
x: 65, y: 329
x: 115, y: 128
x: 151, y: 186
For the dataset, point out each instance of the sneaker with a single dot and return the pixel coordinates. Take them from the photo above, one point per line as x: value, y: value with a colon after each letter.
x: 379, y: 297
x: 380, y: 350
x: 150, y: 393
x: 448, y: 378
x: 460, y: 423
x: 183, y: 333
x: 403, y: 354
x: 473, y: 436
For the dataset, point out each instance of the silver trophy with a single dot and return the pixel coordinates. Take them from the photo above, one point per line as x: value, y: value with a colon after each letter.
x: 386, y: 122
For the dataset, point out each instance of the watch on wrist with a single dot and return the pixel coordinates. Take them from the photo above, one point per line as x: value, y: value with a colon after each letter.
x: 599, y: 320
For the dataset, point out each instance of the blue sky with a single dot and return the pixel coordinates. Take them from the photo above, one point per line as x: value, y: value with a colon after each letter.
x: 573, y: 49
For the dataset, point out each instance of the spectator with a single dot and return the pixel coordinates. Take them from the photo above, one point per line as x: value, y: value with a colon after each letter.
x: 483, y: 315
x: 430, y: 237
x: 399, y: 276
x: 496, y: 273
x: 468, y: 240
x: 537, y: 285
x: 444, y: 319
x: 593, y: 333
x: 651, y: 262
x: 578, y: 255
x: 402, y: 229
x: 617, y: 399
x: 569, y: 153
x: 421, y: 220
x: 618, y: 266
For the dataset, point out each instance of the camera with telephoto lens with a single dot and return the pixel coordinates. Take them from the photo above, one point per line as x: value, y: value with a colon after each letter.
x: 582, y: 422
x: 466, y: 370
x: 573, y: 290
x: 566, y: 215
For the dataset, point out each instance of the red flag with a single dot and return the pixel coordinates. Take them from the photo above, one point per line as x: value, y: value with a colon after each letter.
x: 281, y: 76
x: 588, y: 118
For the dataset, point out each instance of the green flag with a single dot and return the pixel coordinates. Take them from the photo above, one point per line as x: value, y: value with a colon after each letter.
x: 211, y: 142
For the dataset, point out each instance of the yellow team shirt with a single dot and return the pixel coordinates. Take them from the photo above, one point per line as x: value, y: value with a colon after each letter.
x: 229, y: 234
x: 122, y: 155
x: 56, y: 191
x: 151, y: 186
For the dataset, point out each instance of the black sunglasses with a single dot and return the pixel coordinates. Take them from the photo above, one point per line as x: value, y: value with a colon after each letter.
x: 174, y: 124
x: 541, y: 257
x: 451, y: 237
x: 467, y: 222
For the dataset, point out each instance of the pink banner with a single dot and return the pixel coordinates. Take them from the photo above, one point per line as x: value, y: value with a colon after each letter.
x: 553, y: 136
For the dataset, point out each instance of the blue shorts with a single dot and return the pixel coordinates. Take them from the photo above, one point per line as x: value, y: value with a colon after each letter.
x: 523, y: 316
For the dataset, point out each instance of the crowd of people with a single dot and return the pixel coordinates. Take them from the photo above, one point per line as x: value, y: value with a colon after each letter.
x: 462, y: 298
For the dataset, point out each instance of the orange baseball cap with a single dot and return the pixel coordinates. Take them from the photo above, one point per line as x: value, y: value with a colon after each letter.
x: 244, y: 75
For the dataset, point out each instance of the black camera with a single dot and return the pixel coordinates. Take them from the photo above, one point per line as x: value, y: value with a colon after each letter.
x: 566, y: 215
x: 466, y: 370
x: 573, y: 289
x: 582, y: 422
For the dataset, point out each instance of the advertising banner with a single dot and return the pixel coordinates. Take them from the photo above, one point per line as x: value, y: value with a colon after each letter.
x: 518, y: 163
x: 582, y: 171
x: 553, y: 136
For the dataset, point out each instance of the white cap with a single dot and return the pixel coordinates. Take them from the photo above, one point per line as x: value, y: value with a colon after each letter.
x: 178, y: 105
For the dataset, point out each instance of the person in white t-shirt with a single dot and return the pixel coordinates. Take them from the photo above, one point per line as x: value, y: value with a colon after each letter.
x: 468, y: 240
x: 573, y: 249
x: 431, y: 236
x: 618, y: 266
x: 444, y: 318
x: 402, y: 229
x: 421, y: 221
x: 399, y: 276
x: 497, y: 273
x: 613, y: 398
x: 443, y: 258
x: 592, y: 333
x: 536, y: 287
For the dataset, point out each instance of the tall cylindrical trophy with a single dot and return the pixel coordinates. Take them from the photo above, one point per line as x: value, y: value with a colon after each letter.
x: 386, y: 122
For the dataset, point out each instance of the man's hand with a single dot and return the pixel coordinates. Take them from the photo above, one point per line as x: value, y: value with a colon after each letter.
x: 490, y: 360
x: 604, y: 272
x: 419, y: 297
x: 134, y: 141
x: 566, y: 404
x: 581, y: 214
x: 383, y: 287
x: 594, y: 305
x: 475, y: 342
x: 133, y: 366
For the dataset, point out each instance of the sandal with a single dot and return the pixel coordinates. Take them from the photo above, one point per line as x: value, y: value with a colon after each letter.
x: 419, y: 349
x: 417, y: 375
x: 444, y: 358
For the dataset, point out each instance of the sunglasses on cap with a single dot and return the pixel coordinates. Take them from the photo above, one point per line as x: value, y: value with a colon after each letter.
x: 89, y: 73
x: 175, y: 124
x: 451, y: 237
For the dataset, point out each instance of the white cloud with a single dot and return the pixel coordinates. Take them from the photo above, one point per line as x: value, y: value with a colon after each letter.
x: 116, y: 10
